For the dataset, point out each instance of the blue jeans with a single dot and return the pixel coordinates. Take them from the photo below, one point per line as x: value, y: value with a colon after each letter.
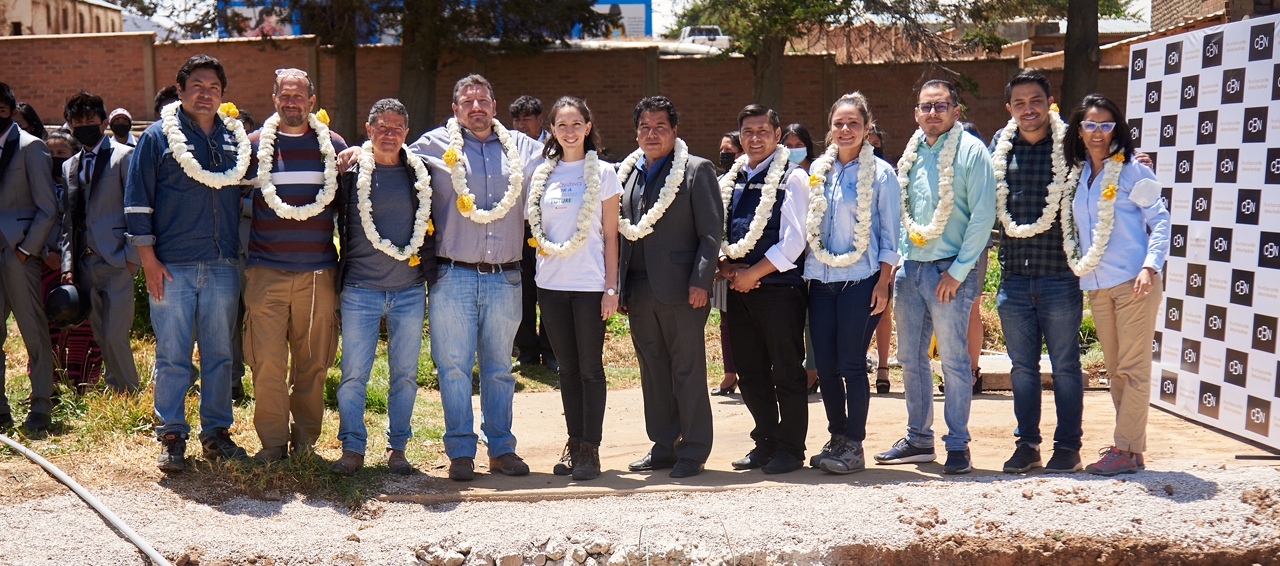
x: 1048, y: 308
x: 842, y: 325
x: 919, y: 314
x: 362, y: 313
x: 202, y: 295
x: 474, y: 317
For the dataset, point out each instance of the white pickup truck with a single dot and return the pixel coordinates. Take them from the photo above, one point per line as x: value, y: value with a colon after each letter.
x: 704, y: 35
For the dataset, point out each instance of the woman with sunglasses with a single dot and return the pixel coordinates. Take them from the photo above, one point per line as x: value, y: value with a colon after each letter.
x: 1116, y: 235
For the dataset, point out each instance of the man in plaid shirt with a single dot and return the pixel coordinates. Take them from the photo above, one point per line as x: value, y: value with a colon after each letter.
x: 1039, y: 298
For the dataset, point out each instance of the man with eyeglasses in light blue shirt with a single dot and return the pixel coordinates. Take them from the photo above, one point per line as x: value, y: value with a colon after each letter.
x: 937, y: 283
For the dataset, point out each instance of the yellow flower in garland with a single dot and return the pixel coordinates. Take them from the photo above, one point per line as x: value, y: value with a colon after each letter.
x: 466, y: 203
x: 323, y: 116
x: 1109, y: 193
x: 814, y: 180
x: 533, y: 242
x: 542, y: 253
x: 917, y: 239
x: 450, y: 157
x: 1053, y: 107
x: 1118, y: 158
x: 414, y: 260
x: 431, y: 227
x: 229, y: 109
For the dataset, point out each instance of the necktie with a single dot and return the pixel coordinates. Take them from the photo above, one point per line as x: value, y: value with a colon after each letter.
x: 86, y: 169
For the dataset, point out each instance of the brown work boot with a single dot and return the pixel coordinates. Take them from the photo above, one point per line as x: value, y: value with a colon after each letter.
x: 270, y: 454
x: 567, y: 458
x: 588, y: 465
x: 348, y: 464
x: 462, y: 469
x: 397, y: 463
x: 509, y: 465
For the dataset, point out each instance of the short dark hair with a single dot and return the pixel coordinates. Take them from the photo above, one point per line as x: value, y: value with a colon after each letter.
x: 387, y: 105
x: 165, y: 96
x: 1026, y: 76
x: 526, y: 106
x: 201, y: 61
x: 7, y: 98
x: 246, y: 120
x: 972, y: 129
x: 592, y: 141
x: 939, y: 83
x: 758, y: 110
x: 735, y: 138
x: 33, y: 119
x: 471, y: 80
x: 656, y: 103
x: 801, y: 132
x: 83, y: 105
x: 1121, y: 142
x: 65, y: 137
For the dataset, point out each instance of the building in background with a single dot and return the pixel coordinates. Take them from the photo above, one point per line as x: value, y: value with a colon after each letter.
x: 1166, y: 13
x: 49, y: 17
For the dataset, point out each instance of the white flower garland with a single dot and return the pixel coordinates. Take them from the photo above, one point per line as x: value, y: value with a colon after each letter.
x: 920, y: 235
x: 590, y: 200
x: 266, y: 160
x: 768, y: 196
x: 1106, y: 218
x: 421, y: 219
x: 178, y: 145
x: 818, y: 205
x: 666, y: 196
x: 1000, y: 162
x: 455, y: 160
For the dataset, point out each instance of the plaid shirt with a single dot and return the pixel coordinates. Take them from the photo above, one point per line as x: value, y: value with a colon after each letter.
x: 1029, y: 172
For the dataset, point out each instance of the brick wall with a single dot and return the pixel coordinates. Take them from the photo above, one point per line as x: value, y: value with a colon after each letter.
x: 250, y: 66
x: 46, y: 70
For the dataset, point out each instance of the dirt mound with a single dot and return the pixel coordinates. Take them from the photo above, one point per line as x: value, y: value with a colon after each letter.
x: 966, y: 550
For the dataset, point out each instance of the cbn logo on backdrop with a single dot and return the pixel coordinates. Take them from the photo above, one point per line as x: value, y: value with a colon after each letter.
x: 1211, y: 54
x: 1228, y: 165
x: 1166, y: 195
x: 1236, y: 370
x: 1157, y: 343
x: 1174, y: 314
x: 1242, y: 287
x: 1264, y: 333
x: 1220, y: 244
x: 1184, y: 168
x: 1269, y: 250
x: 1190, y: 93
x: 1135, y: 130
x: 1169, y: 387
x: 1262, y: 38
x: 1195, y: 280
x: 1210, y: 399
x: 1173, y: 58
x: 1169, y: 131
x: 1275, y: 82
x: 1248, y: 206
x: 1233, y: 86
x: 1272, y: 174
x: 1153, y: 96
x: 1190, y: 357
x: 1257, y: 416
x: 1178, y: 240
x: 1255, y: 125
x: 1207, y: 128
x: 1138, y: 64
x: 1215, y: 323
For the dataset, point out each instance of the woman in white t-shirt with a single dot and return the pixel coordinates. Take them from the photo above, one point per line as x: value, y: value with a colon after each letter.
x: 573, y: 214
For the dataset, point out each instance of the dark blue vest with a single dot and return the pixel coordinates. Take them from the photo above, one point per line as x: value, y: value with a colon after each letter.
x: 742, y: 208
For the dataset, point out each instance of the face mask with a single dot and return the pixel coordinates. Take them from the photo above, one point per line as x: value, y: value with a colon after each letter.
x: 879, y: 152
x: 87, y: 135
x: 4, y: 125
x: 57, y: 166
x: 798, y: 154
x: 726, y: 160
x: 121, y: 129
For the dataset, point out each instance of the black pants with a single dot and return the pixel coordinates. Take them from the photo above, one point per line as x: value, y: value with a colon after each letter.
x: 766, y: 326
x: 571, y: 320
x: 670, y: 344
x: 842, y: 325
x: 531, y: 337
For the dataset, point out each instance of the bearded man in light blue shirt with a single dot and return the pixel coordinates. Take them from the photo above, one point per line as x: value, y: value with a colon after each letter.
x: 937, y: 284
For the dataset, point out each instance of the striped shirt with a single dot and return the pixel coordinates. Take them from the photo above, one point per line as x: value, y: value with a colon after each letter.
x: 298, y: 174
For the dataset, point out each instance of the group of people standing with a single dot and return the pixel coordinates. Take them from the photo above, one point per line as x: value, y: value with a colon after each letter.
x: 443, y: 220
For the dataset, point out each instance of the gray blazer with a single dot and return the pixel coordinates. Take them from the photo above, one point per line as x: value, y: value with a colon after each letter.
x: 684, y: 247
x: 28, y: 200
x: 95, y: 217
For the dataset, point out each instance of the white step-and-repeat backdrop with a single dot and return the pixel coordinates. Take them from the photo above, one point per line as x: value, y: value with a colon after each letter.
x: 1206, y: 106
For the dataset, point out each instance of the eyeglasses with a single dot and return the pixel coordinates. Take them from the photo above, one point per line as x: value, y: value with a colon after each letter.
x: 1091, y: 126
x: 928, y: 107
x: 299, y: 73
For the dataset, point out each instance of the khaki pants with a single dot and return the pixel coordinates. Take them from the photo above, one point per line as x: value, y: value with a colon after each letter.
x: 290, y: 339
x: 1126, y: 326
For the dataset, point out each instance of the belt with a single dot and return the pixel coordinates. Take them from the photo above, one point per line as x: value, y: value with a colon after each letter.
x: 483, y: 267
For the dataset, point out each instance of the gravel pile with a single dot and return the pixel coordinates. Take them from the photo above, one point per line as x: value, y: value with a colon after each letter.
x: 1197, y: 510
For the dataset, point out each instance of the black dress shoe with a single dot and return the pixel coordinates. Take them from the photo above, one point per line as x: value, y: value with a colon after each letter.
x: 754, y: 459
x: 6, y: 422
x: 649, y: 464
x: 551, y: 364
x: 36, y: 422
x: 724, y: 391
x: 782, y: 462
x: 686, y: 468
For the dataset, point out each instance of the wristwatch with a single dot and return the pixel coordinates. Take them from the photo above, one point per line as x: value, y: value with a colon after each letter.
x: 611, y: 291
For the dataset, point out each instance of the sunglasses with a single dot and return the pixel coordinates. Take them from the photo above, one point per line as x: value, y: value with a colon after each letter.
x: 928, y: 107
x: 299, y: 73
x: 1091, y: 126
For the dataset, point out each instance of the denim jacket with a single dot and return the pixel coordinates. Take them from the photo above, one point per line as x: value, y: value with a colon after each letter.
x: 186, y: 221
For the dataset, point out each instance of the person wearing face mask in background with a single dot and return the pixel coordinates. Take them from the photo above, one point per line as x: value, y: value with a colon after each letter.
x: 96, y: 256
x: 28, y: 214
x: 730, y: 149
x: 797, y: 140
x: 121, y: 123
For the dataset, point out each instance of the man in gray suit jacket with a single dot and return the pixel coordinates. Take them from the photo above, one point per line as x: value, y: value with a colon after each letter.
x: 28, y: 214
x: 666, y: 277
x: 96, y: 256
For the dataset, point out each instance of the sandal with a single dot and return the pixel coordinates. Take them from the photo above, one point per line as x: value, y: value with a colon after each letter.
x: 882, y: 383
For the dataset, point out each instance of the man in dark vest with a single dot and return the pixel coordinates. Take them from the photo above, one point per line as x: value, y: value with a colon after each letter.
x: 762, y: 257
